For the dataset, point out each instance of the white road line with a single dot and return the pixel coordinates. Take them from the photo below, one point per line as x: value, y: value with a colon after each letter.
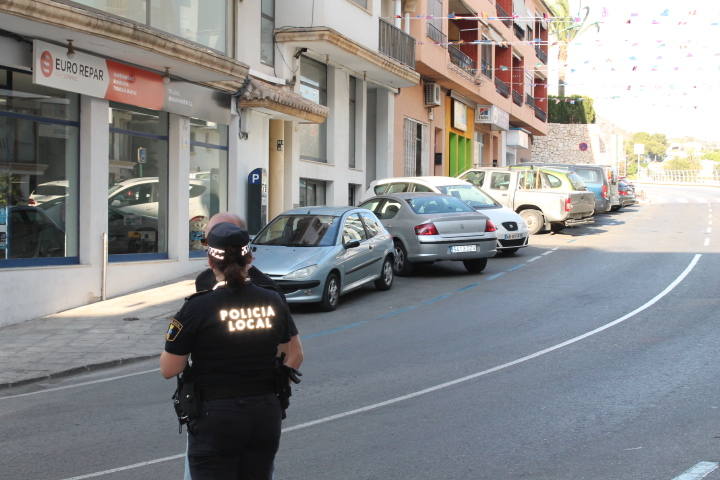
x: 707, y: 242
x: 82, y: 384
x: 554, y: 249
x: 534, y: 258
x: 451, y: 383
x: 701, y: 470
x: 548, y: 252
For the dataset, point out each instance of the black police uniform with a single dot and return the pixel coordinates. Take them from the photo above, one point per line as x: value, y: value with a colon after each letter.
x: 232, y: 336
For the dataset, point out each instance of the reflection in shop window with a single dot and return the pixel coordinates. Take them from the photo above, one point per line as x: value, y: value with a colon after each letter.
x: 38, y: 172
x: 208, y: 177
x: 138, y: 181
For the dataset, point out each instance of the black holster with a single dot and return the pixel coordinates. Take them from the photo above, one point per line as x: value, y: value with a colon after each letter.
x: 284, y: 375
x: 185, y: 399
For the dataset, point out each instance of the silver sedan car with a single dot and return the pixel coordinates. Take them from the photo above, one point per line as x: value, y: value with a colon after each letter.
x: 316, y: 254
x: 428, y: 227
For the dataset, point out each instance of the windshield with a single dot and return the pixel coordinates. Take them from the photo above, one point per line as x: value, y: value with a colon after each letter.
x: 469, y: 194
x: 300, y: 231
x: 430, y: 205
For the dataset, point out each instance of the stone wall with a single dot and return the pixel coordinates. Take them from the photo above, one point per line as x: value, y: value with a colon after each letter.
x: 563, y: 144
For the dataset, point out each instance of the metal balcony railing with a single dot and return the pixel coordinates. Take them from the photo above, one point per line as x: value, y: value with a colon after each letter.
x: 457, y: 57
x: 519, y: 31
x: 502, y: 87
x: 486, y: 68
x: 397, y: 44
x: 517, y: 98
x: 436, y: 35
x: 540, y: 114
x: 541, y: 55
x: 505, y: 16
x: 530, y: 101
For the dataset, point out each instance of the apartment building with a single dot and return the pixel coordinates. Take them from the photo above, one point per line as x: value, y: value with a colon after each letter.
x: 125, y: 124
x: 483, y: 93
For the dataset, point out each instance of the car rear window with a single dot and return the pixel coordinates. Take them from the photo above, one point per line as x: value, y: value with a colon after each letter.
x: 300, y: 231
x: 440, y: 204
x: 590, y: 175
x: 576, y: 182
x: 469, y: 194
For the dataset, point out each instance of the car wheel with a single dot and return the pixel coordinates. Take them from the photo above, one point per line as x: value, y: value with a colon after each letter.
x: 401, y: 264
x: 385, y: 281
x: 534, y: 219
x: 615, y: 208
x: 557, y: 227
x: 475, y: 266
x: 508, y: 251
x: 331, y: 293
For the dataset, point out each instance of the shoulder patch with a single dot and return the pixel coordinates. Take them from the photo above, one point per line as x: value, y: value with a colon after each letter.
x: 197, y: 294
x: 173, y: 330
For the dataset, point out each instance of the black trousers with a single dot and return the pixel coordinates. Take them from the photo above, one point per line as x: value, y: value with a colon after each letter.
x: 235, y: 439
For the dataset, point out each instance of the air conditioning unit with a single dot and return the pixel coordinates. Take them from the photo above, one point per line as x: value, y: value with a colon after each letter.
x: 432, y: 94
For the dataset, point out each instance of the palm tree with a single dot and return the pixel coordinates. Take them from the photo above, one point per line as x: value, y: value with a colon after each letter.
x: 565, y: 30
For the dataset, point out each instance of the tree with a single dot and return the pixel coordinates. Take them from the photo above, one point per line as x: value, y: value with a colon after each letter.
x: 656, y: 145
x: 565, y: 30
x: 679, y: 163
x: 713, y: 155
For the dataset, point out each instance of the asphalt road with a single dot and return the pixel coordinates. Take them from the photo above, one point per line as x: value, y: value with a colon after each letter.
x: 592, y: 354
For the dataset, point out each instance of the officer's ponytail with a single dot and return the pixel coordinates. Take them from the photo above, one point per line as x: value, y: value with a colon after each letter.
x: 229, y: 253
x: 233, y: 266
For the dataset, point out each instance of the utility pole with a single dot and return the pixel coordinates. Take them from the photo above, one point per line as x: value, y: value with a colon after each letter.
x: 639, y: 149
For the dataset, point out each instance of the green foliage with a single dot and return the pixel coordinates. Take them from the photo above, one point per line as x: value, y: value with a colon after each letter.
x: 713, y: 155
x: 678, y: 163
x: 656, y: 145
x: 580, y: 111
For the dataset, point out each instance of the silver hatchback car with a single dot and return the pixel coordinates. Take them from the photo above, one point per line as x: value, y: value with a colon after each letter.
x: 428, y: 227
x: 316, y: 254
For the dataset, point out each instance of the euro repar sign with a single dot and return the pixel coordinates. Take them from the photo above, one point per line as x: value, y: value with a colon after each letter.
x: 96, y: 76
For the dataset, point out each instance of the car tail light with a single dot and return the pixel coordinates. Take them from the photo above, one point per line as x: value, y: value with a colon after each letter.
x: 426, y: 229
x: 568, y: 204
x: 604, y: 192
x: 489, y: 226
x: 32, y: 202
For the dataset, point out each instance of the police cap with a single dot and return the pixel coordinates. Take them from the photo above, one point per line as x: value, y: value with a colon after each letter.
x: 224, y: 235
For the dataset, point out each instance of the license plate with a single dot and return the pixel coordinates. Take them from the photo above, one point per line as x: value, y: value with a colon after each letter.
x: 463, y: 248
x: 513, y: 236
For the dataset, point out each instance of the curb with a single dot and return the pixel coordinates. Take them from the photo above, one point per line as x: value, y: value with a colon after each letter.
x: 75, y: 370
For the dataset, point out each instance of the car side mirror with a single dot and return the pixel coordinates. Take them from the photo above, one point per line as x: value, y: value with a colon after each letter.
x: 351, y: 244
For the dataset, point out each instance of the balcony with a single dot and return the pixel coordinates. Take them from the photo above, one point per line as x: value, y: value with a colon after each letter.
x: 397, y: 44
x: 519, y: 31
x: 503, y: 14
x: 517, y: 98
x: 540, y: 114
x: 502, y: 88
x: 529, y: 101
x: 541, y: 55
x: 457, y: 57
x: 486, y: 68
x: 436, y: 35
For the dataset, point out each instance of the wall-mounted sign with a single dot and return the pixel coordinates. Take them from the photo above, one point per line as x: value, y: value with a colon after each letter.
x: 459, y: 115
x: 115, y: 81
x: 583, y: 147
x: 497, y: 118
x: 518, y: 139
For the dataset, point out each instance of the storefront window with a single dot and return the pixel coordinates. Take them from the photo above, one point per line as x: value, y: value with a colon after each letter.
x: 138, y: 183
x: 201, y: 22
x: 208, y: 177
x: 312, y: 192
x: 39, y: 130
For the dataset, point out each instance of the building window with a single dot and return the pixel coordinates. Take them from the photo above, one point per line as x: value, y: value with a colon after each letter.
x: 138, y: 180
x: 312, y: 192
x: 267, y: 25
x: 201, y: 22
x: 435, y: 22
x: 208, y: 179
x: 39, y: 155
x: 352, y: 123
x: 486, y: 60
x: 313, y: 86
x: 361, y: 3
x: 353, y: 193
x: 416, y: 152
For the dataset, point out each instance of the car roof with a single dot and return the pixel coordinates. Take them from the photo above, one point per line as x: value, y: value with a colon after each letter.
x: 406, y: 195
x: 320, y: 210
x: 430, y: 180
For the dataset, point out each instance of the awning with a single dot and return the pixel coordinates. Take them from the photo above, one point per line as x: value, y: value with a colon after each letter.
x: 280, y: 102
x: 461, y: 7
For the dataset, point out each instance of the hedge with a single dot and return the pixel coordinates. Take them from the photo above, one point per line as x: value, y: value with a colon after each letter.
x: 572, y: 109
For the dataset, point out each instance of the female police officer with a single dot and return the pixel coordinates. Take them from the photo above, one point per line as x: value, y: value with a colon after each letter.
x: 233, y: 332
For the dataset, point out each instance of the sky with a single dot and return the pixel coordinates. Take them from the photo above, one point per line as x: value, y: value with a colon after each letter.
x: 653, y: 66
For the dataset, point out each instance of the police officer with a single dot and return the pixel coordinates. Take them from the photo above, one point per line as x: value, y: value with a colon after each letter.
x: 234, y: 333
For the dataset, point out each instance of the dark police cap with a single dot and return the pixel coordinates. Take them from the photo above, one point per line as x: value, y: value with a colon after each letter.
x: 225, y: 235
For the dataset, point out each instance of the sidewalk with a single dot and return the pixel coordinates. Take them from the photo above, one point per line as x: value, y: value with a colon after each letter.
x: 112, y: 332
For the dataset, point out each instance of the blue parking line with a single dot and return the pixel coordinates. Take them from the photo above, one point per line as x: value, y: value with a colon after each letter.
x: 496, y: 275
x: 467, y: 287
x: 436, y: 299
x: 516, y: 267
